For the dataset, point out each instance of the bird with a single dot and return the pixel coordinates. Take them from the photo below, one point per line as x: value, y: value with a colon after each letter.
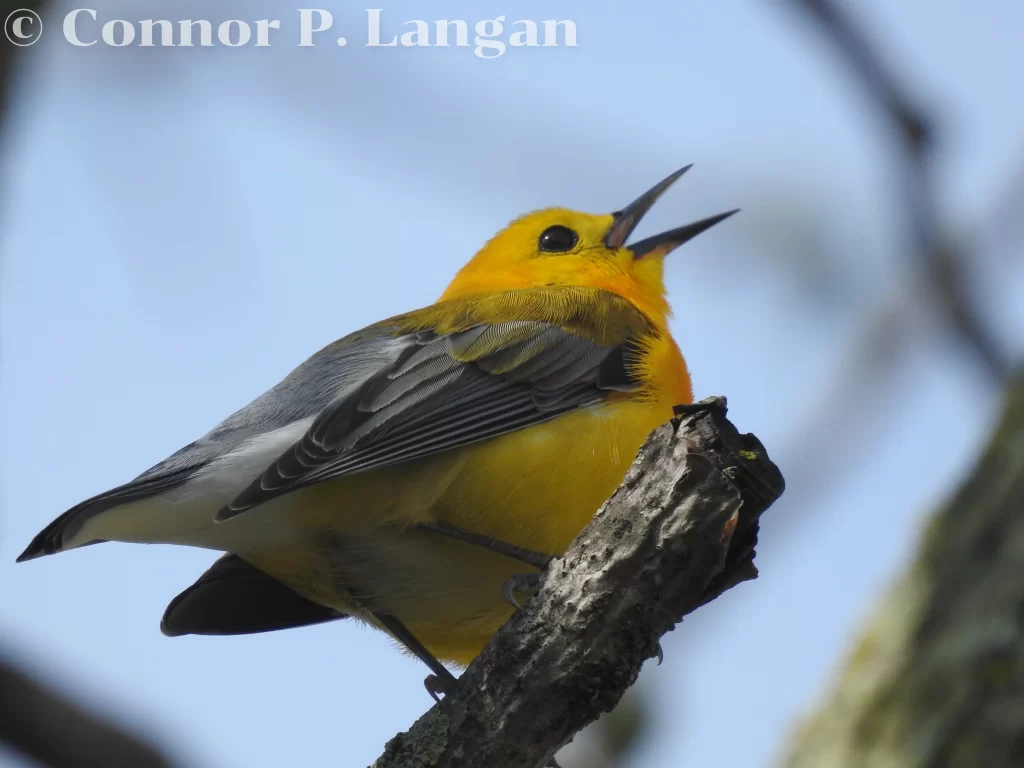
x: 412, y: 475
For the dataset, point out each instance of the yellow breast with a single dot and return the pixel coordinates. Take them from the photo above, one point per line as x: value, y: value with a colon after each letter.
x: 537, y: 488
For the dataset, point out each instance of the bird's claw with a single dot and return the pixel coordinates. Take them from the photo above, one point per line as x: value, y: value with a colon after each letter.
x: 437, y: 687
x: 524, y: 582
x: 661, y: 655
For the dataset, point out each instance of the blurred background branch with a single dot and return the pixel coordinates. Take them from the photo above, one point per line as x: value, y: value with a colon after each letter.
x: 942, y: 263
x: 940, y: 285
x: 936, y: 677
x: 46, y: 727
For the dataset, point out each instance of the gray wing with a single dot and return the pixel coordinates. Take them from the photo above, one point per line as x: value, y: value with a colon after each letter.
x: 442, y: 392
x: 305, y: 392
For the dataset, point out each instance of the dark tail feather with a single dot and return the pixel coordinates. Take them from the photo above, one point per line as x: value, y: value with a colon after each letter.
x: 50, y: 540
x: 235, y: 598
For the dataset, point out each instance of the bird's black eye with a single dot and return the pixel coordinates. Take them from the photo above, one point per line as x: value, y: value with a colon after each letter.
x: 558, y: 239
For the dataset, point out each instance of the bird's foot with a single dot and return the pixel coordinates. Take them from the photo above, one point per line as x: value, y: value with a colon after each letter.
x: 438, y: 686
x: 442, y: 681
x: 527, y: 583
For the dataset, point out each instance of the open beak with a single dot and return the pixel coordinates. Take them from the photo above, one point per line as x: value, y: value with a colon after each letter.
x: 626, y: 220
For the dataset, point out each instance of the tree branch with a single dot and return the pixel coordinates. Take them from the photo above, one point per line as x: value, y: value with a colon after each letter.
x: 678, y: 532
x: 936, y: 680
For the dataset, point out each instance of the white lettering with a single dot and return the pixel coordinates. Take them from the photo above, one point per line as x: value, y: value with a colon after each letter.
x: 526, y: 36
x: 127, y: 33
x: 224, y: 33
x: 71, y: 30
x: 419, y: 36
x: 166, y: 32
x: 205, y: 32
x: 263, y: 27
x: 373, y: 31
x: 461, y: 32
x: 306, y: 29
x: 551, y: 33
x: 486, y: 31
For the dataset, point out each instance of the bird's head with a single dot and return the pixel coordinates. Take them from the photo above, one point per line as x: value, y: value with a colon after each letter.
x: 557, y: 246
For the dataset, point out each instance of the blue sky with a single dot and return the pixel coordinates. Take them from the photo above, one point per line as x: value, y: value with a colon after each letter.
x: 185, y: 226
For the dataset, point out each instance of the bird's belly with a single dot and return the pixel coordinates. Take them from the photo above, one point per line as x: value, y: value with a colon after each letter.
x: 536, y: 489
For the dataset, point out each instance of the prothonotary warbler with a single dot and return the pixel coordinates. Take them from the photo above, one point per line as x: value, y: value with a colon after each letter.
x: 406, y: 474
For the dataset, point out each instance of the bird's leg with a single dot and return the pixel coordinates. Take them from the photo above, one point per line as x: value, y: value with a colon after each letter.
x: 538, y: 560
x: 442, y: 681
x: 526, y: 582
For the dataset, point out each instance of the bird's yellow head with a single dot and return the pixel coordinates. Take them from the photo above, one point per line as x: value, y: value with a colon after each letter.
x: 557, y: 246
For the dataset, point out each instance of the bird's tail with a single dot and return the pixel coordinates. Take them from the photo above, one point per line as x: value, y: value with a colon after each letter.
x: 54, y: 537
x: 70, y: 530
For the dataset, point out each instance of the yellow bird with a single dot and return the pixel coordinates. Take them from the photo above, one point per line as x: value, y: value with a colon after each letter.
x: 406, y: 474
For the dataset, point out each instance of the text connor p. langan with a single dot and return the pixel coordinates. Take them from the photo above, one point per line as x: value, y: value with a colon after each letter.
x: 489, y: 38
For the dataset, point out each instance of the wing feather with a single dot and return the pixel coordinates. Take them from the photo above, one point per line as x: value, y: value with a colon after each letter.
x: 445, y: 391
x: 413, y: 385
